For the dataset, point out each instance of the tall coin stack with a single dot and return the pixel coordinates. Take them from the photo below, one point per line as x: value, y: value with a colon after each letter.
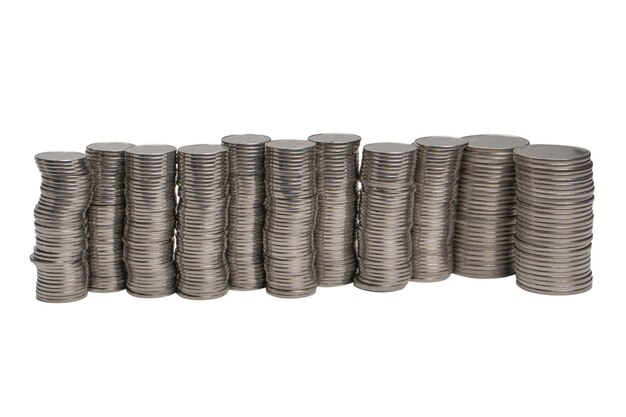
x: 554, y: 219
x: 61, y: 226
x: 436, y: 186
x: 107, y: 271
x: 150, y: 220
x: 246, y: 211
x: 485, y: 221
x: 291, y: 205
x: 202, y: 221
x: 335, y: 227
x: 385, y: 216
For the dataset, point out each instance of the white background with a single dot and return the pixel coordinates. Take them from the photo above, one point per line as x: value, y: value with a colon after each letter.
x: 191, y: 72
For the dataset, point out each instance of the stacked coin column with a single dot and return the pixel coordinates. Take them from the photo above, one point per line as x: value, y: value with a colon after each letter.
x: 202, y: 221
x: 385, y: 216
x: 554, y: 219
x: 335, y: 228
x: 290, y: 220
x: 246, y: 211
x: 61, y: 226
x: 436, y: 181
x: 107, y: 271
x: 150, y: 220
x: 485, y: 220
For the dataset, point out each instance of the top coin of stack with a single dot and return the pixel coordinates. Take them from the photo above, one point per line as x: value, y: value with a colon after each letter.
x: 485, y: 222
x: 385, y: 216
x: 246, y: 211
x: 61, y: 226
x: 202, y: 221
x: 107, y: 271
x: 335, y: 228
x: 291, y: 206
x: 150, y: 220
x: 554, y: 219
x: 436, y: 180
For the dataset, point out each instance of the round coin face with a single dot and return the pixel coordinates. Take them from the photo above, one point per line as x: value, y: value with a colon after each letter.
x: 109, y: 146
x: 151, y: 149
x: 202, y: 149
x: 58, y: 156
x: 290, y: 144
x: 441, y: 142
x: 495, y: 142
x: 245, y: 139
x: 552, y: 152
x: 389, y: 148
x: 334, y: 138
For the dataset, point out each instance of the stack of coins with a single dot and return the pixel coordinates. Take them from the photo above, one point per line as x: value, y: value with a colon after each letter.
x: 337, y: 187
x: 554, y: 219
x: 385, y: 216
x: 485, y: 221
x: 246, y: 211
x: 436, y: 181
x: 61, y: 226
x: 290, y: 220
x: 107, y: 271
x: 150, y: 220
x: 202, y: 221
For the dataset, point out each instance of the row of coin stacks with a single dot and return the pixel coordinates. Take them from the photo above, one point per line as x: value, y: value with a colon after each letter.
x: 289, y: 216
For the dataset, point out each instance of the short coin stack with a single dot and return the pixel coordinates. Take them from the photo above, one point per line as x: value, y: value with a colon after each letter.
x: 202, y: 221
x: 61, y: 226
x: 337, y: 187
x: 107, y: 271
x: 485, y: 222
x: 385, y: 216
x: 436, y: 187
x: 150, y: 220
x: 246, y: 211
x: 291, y: 207
x: 554, y: 219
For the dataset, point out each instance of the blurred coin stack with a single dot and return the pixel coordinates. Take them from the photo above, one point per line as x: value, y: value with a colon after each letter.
x: 485, y: 221
x: 202, y: 221
x: 290, y: 220
x: 107, y: 271
x: 60, y: 254
x: 385, y: 216
x: 335, y: 227
x: 150, y: 220
x: 436, y: 186
x: 554, y: 219
x: 246, y: 211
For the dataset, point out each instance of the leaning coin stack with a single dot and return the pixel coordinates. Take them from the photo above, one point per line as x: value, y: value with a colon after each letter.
x: 485, y: 221
x: 202, y: 221
x: 246, y: 211
x: 107, y: 271
x: 335, y: 227
x: 290, y: 220
x: 150, y: 220
x: 436, y: 186
x: 385, y: 216
x: 554, y: 219
x: 61, y: 226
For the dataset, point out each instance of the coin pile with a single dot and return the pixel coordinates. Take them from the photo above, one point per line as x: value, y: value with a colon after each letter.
x: 150, y: 220
x: 290, y: 220
x: 554, y: 219
x: 61, y: 226
x: 436, y: 186
x: 202, y: 221
x: 335, y: 227
x: 107, y: 271
x: 246, y: 211
x: 485, y: 221
x: 385, y: 216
